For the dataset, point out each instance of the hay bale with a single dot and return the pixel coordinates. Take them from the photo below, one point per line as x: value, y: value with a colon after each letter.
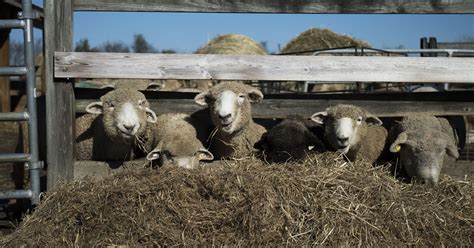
x: 235, y: 44
x: 231, y: 44
x: 323, y: 201
x: 318, y: 39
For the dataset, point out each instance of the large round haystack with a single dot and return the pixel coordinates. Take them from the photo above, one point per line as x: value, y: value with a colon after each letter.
x: 231, y: 44
x: 235, y: 44
x: 317, y: 39
x: 324, y: 201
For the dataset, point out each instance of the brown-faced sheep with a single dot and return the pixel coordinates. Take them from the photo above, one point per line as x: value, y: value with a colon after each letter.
x: 353, y: 131
x: 231, y: 113
x: 423, y: 142
x: 290, y: 139
x: 178, y: 141
x: 116, y: 127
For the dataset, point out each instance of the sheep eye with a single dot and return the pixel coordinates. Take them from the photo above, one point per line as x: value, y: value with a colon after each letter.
x: 359, y: 119
x: 242, y: 95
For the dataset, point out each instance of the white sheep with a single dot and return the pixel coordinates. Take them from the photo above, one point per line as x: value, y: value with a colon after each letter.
x: 423, y: 142
x: 116, y: 127
x: 179, y: 141
x: 353, y: 131
x: 231, y: 114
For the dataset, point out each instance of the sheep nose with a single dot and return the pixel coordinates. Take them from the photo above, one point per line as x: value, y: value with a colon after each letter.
x: 129, y: 128
x: 224, y: 116
x: 342, y: 140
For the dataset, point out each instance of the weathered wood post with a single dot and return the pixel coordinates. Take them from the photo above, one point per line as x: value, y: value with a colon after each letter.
x: 60, y: 113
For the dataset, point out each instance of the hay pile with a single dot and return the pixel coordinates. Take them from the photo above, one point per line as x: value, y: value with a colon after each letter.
x: 234, y: 44
x: 230, y: 44
x: 324, y: 201
x: 317, y: 39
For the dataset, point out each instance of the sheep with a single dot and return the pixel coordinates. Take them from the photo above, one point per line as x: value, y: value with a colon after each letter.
x: 178, y: 141
x: 116, y: 127
x: 229, y: 107
x: 353, y: 131
x: 423, y: 142
x: 290, y: 139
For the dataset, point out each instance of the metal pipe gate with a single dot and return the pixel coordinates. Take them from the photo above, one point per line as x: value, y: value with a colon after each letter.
x: 25, y: 22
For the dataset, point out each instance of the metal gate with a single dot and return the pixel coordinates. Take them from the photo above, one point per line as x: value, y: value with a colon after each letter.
x: 24, y: 22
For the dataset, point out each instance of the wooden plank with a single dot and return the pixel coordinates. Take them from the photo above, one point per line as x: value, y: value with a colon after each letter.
x: 270, y: 67
x: 280, y: 108
x: 60, y: 114
x: 280, y: 6
x: 4, y: 81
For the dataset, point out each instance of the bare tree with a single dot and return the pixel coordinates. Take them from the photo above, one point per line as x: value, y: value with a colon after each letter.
x: 114, y: 47
x: 17, y: 51
x: 83, y: 46
x: 141, y: 45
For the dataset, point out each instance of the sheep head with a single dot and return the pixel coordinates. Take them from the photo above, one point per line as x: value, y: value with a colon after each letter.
x: 180, y: 152
x: 422, y: 152
x: 344, y: 125
x: 125, y: 114
x: 229, y: 104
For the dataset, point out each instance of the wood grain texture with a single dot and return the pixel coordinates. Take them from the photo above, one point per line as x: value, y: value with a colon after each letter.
x: 281, y: 108
x: 255, y: 67
x: 5, y: 105
x: 280, y: 6
x: 60, y: 115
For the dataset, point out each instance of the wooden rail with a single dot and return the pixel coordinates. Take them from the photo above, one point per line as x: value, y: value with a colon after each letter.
x: 282, y: 6
x: 282, y: 105
x: 271, y: 67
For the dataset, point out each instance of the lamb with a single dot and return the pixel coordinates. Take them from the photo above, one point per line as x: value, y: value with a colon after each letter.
x: 116, y: 128
x: 178, y: 141
x: 290, y: 139
x: 423, y: 142
x: 230, y: 111
x: 353, y: 131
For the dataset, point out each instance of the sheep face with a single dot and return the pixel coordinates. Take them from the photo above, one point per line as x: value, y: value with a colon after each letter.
x: 229, y: 104
x: 422, y: 153
x: 125, y: 114
x: 182, y: 153
x: 344, y: 125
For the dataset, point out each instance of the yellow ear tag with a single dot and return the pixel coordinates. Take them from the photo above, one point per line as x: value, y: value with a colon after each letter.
x: 398, y: 148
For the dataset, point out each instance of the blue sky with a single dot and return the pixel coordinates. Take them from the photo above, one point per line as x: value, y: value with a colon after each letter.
x: 185, y: 32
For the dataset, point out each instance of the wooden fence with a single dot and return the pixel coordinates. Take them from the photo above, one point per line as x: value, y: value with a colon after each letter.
x: 62, y: 66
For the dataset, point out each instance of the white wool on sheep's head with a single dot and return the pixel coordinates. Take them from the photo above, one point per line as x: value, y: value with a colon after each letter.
x: 125, y: 114
x: 344, y: 125
x: 229, y: 104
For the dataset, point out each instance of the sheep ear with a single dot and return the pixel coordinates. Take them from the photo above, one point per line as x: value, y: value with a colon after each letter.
x: 107, y: 86
x: 319, y: 117
x: 451, y: 148
x: 255, y: 95
x: 150, y: 115
x: 153, y: 86
x: 200, y: 98
x: 204, y: 154
x: 373, y: 120
x: 95, y: 108
x: 154, y: 155
x: 401, y: 139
